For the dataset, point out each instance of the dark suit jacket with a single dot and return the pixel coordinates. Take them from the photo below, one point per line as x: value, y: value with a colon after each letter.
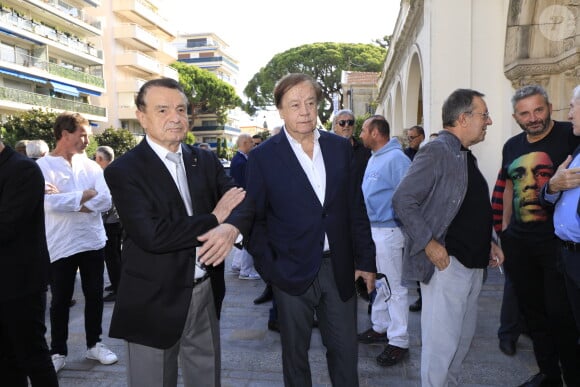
x: 287, y: 238
x: 24, y: 259
x: 238, y: 169
x: 158, y: 258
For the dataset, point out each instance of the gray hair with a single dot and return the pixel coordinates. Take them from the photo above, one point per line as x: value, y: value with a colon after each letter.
x: 36, y: 149
x: 576, y: 93
x: 106, y: 152
x: 460, y: 101
x: 528, y: 91
x: 243, y: 136
x: 339, y: 113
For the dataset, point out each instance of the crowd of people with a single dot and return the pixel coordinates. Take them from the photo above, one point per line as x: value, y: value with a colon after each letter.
x: 311, y: 212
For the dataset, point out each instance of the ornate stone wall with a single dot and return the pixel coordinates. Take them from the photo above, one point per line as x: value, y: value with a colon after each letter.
x: 543, y: 47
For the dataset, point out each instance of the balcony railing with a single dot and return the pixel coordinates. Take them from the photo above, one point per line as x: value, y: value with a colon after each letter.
x: 74, y: 12
x: 13, y: 19
x: 54, y: 69
x: 41, y: 100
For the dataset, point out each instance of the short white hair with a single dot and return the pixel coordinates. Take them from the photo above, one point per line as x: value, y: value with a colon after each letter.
x: 36, y: 149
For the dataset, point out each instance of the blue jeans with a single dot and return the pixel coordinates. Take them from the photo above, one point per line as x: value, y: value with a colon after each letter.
x: 63, y: 272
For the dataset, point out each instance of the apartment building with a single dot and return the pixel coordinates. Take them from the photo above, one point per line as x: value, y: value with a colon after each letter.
x: 88, y: 56
x: 209, y: 52
x: 51, y: 57
x: 137, y: 45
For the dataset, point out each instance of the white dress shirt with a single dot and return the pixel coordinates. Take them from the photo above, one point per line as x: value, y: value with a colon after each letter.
x: 69, y: 231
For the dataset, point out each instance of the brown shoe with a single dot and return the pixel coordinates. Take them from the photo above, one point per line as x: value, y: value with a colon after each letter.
x: 392, y: 355
x: 371, y: 336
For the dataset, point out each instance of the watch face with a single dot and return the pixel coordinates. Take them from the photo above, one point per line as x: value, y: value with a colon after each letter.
x: 557, y: 23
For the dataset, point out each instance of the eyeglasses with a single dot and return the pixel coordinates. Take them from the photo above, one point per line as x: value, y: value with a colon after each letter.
x: 485, y: 115
x: 346, y: 122
x: 411, y: 138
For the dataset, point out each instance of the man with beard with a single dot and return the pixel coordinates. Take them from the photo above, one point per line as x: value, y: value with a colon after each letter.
x: 529, y: 160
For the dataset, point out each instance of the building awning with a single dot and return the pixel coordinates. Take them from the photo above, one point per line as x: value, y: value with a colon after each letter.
x: 89, y: 92
x: 65, y: 89
x: 18, y: 74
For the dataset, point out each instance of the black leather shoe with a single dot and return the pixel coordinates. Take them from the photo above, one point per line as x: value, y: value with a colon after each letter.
x: 541, y: 380
x: 111, y: 297
x: 416, y: 306
x: 273, y: 326
x: 508, y: 347
x: 266, y: 296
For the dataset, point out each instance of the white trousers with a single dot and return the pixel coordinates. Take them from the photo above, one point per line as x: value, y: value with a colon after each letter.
x: 390, y: 314
x: 246, y: 262
x: 448, y: 320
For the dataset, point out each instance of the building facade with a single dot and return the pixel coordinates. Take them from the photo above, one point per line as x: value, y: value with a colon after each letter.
x: 209, y: 52
x: 51, y: 58
x: 494, y: 47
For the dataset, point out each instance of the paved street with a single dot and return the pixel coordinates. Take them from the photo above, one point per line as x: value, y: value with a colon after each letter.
x: 251, y: 353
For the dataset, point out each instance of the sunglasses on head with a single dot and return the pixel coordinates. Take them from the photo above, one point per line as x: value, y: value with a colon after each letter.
x: 346, y: 122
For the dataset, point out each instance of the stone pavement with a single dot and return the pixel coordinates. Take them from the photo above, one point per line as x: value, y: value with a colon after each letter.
x: 251, y: 353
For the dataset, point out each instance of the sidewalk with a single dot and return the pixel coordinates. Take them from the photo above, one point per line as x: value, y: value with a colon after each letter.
x: 251, y: 354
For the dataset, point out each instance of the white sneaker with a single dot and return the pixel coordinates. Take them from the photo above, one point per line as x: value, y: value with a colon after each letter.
x: 101, y: 353
x: 250, y: 276
x: 58, y: 361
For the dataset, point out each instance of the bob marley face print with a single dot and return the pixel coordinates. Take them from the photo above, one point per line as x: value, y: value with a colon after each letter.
x: 528, y: 174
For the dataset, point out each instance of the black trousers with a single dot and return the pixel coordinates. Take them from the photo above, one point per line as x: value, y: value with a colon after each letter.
x: 337, y: 323
x: 540, y: 289
x: 23, y: 350
x: 113, y: 253
x: 571, y: 261
x: 90, y: 264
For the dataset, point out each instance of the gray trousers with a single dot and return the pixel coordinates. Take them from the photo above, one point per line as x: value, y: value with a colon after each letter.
x: 448, y: 322
x: 197, y: 352
x: 337, y: 323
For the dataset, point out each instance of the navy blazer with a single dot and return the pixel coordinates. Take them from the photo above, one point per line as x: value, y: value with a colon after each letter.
x: 158, y: 257
x: 24, y: 259
x: 287, y: 237
x: 238, y: 169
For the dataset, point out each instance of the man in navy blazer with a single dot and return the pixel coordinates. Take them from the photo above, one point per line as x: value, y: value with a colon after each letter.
x: 311, y: 236
x: 177, y: 232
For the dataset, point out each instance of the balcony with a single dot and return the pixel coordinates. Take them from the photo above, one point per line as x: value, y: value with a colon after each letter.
x: 170, y: 72
x: 46, y: 101
x: 136, y: 37
x: 139, y: 62
x: 143, y: 13
x: 42, y: 34
x: 39, y: 68
x: 165, y: 53
x: 59, y: 11
x: 131, y: 86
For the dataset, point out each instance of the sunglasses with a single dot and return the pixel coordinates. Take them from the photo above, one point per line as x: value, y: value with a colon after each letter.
x: 346, y: 122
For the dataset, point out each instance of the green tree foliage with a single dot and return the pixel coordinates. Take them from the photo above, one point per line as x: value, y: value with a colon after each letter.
x: 35, y: 124
x: 189, y: 138
x: 324, y: 61
x: 212, y: 95
x: 121, y: 140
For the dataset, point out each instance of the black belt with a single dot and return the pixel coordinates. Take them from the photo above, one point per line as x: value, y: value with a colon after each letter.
x: 199, y: 280
x: 326, y: 254
x: 570, y: 246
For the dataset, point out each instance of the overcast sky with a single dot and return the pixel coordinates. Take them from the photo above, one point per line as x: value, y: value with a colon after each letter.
x: 256, y: 30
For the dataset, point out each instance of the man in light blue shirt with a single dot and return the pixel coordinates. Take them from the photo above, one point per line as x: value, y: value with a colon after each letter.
x: 385, y: 169
x: 563, y: 190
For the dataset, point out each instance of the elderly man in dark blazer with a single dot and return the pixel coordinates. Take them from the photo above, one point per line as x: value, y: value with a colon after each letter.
x: 181, y: 215
x: 311, y: 235
x: 24, y: 269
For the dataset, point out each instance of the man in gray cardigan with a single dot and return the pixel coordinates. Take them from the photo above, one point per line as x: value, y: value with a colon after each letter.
x: 443, y: 205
